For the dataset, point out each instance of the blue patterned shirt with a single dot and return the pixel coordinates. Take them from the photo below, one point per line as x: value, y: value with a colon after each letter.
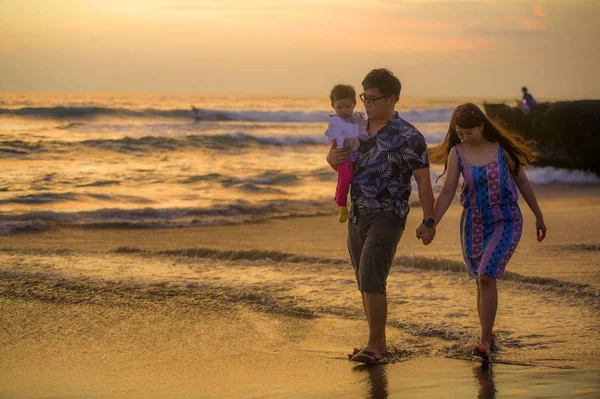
x: 384, y: 166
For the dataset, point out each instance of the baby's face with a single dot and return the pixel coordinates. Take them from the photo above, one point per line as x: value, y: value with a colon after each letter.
x: 344, y: 107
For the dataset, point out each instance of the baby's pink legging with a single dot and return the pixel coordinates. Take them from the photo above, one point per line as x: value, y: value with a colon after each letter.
x: 343, y: 183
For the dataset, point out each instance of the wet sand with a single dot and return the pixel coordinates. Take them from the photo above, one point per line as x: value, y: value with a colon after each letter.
x: 84, y: 351
x: 271, y: 309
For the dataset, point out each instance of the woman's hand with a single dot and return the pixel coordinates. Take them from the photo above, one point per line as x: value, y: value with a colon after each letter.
x: 540, y: 228
x: 336, y: 155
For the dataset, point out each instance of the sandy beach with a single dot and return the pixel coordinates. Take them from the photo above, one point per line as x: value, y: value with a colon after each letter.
x: 271, y: 310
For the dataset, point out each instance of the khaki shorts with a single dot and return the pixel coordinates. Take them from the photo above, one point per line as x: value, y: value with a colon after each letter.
x: 372, y: 243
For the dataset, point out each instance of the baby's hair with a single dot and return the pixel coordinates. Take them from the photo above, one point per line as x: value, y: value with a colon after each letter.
x: 342, y: 92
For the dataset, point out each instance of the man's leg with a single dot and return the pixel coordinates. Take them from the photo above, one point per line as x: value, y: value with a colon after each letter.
x: 381, y: 239
x: 355, y: 247
x: 356, y: 350
x: 478, y: 301
x: 376, y: 309
x: 365, y: 305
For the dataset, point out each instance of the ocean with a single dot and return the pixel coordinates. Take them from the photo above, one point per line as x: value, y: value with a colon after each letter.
x: 142, y: 160
x: 146, y: 252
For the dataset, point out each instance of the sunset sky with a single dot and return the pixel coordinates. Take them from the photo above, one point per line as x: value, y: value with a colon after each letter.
x: 436, y: 47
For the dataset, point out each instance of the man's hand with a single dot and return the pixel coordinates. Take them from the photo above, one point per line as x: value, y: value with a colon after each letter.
x: 336, y: 155
x: 425, y: 234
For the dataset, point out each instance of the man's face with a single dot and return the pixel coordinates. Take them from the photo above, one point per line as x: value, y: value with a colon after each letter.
x: 376, y: 104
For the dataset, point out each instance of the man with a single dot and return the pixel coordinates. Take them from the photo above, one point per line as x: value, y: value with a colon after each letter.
x: 380, y: 191
x: 527, y: 104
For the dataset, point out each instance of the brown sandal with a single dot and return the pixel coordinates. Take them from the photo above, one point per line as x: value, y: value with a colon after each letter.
x: 481, y: 351
x: 367, y: 357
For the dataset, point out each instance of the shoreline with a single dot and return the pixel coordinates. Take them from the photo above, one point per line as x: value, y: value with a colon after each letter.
x: 567, y: 213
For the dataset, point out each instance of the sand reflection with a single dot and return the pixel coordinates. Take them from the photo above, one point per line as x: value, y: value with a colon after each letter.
x: 485, y: 377
x: 375, y: 380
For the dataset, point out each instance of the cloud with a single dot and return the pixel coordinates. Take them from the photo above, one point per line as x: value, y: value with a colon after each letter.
x: 230, y: 6
x: 539, y: 11
x: 5, y: 49
x: 405, y: 44
x: 508, y: 32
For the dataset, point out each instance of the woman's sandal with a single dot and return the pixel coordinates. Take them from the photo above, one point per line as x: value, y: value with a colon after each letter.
x: 481, y: 351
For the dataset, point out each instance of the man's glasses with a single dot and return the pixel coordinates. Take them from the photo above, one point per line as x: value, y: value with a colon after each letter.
x: 370, y: 100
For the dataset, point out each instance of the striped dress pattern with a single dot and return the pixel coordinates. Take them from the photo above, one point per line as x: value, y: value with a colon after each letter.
x: 491, y: 222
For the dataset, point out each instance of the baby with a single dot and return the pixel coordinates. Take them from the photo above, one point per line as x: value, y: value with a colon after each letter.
x: 347, y: 128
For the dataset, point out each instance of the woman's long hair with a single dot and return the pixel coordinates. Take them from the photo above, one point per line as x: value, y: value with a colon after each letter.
x: 468, y: 116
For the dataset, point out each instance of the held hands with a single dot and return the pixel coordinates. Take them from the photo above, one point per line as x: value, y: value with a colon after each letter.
x: 425, y: 234
x: 540, y: 228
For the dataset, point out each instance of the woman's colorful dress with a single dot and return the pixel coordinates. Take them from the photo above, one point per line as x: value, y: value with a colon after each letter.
x: 491, y: 222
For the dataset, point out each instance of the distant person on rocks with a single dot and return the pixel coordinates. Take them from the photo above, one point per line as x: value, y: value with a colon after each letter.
x: 527, y: 104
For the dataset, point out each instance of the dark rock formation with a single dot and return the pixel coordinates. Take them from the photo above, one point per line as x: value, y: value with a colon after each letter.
x: 567, y: 132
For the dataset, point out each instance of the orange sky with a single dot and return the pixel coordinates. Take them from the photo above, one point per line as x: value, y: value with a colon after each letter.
x: 436, y: 47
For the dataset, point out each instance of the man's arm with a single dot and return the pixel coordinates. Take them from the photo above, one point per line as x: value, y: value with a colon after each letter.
x: 336, y: 156
x: 425, y: 191
x: 423, y: 179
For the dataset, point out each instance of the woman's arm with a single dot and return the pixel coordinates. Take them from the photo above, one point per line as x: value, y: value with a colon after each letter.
x: 444, y: 199
x: 528, y: 194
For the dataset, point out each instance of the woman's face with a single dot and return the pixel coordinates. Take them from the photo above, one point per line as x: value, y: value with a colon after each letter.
x: 470, y: 136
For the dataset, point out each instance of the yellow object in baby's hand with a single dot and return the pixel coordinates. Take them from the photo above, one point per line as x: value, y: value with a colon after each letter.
x: 343, y: 214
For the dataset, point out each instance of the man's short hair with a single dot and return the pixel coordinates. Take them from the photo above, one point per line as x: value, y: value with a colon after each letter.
x: 384, y: 80
x: 341, y: 92
x: 524, y: 88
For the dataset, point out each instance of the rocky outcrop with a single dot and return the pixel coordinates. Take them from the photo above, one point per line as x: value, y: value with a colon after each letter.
x: 567, y: 132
